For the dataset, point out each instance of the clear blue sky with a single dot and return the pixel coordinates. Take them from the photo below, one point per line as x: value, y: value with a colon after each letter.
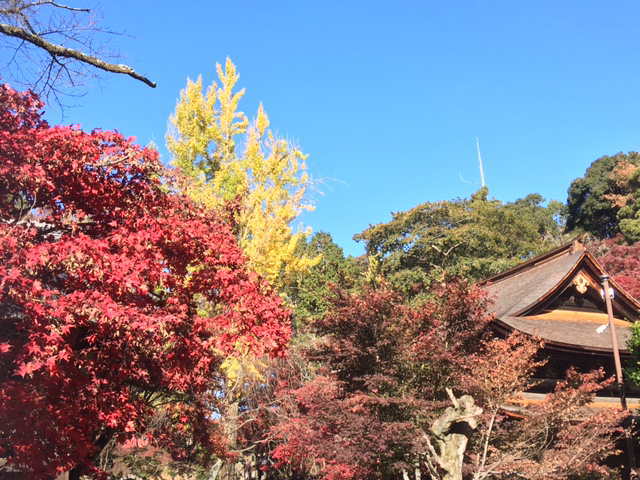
x: 388, y: 97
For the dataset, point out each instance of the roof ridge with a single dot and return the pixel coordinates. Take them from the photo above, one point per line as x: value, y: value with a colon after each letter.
x: 574, y: 246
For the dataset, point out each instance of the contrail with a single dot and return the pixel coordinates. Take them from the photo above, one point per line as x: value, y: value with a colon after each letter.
x: 480, y: 162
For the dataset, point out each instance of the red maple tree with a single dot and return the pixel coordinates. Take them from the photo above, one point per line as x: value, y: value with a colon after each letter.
x: 378, y: 407
x: 117, y: 295
x: 558, y: 437
x: 384, y: 366
x: 621, y: 260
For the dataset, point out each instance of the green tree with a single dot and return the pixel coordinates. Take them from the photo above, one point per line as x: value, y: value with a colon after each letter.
x: 473, y: 237
x: 595, y: 201
x: 633, y: 344
x: 627, y: 178
x: 311, y: 291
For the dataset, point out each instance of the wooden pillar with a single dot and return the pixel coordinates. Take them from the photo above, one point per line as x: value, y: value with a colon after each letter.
x: 631, y: 460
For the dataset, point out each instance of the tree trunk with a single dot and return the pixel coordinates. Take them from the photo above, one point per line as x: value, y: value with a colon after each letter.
x: 229, y: 470
x: 451, y: 434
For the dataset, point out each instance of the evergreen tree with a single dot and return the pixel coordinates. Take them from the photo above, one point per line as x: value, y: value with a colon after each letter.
x: 311, y: 291
x: 600, y: 202
x: 473, y: 237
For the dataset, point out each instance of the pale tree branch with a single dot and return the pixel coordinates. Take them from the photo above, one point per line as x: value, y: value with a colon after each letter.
x: 487, y: 438
x: 19, y: 7
x: 56, y: 50
x: 57, y: 5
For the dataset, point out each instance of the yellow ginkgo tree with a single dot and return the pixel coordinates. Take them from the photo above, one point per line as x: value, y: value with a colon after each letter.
x: 225, y: 158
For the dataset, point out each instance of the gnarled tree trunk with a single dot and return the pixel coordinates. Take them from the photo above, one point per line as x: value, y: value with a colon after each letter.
x: 450, y: 434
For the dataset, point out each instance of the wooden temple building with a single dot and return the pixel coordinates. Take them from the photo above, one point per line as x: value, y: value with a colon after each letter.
x: 559, y: 298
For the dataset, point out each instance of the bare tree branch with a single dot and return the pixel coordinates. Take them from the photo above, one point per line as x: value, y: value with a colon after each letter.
x: 57, y: 5
x: 60, y: 51
x: 19, y: 8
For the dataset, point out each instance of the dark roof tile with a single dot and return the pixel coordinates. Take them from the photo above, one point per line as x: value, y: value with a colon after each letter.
x: 516, y: 292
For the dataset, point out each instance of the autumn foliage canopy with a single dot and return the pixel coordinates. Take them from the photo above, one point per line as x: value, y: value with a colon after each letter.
x: 375, y: 407
x: 384, y: 365
x: 118, y: 298
x: 123, y: 303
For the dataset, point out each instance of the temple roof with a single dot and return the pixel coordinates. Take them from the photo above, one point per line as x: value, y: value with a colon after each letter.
x: 558, y: 297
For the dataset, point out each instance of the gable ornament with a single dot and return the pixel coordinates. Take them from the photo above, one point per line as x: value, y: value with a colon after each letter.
x: 581, y: 282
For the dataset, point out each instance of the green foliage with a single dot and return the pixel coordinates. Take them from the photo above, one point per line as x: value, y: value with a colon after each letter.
x: 473, y: 237
x: 597, y: 202
x: 310, y: 292
x: 633, y: 344
x: 628, y: 179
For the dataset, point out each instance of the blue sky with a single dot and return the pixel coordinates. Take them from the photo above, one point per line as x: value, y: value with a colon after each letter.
x: 388, y: 97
